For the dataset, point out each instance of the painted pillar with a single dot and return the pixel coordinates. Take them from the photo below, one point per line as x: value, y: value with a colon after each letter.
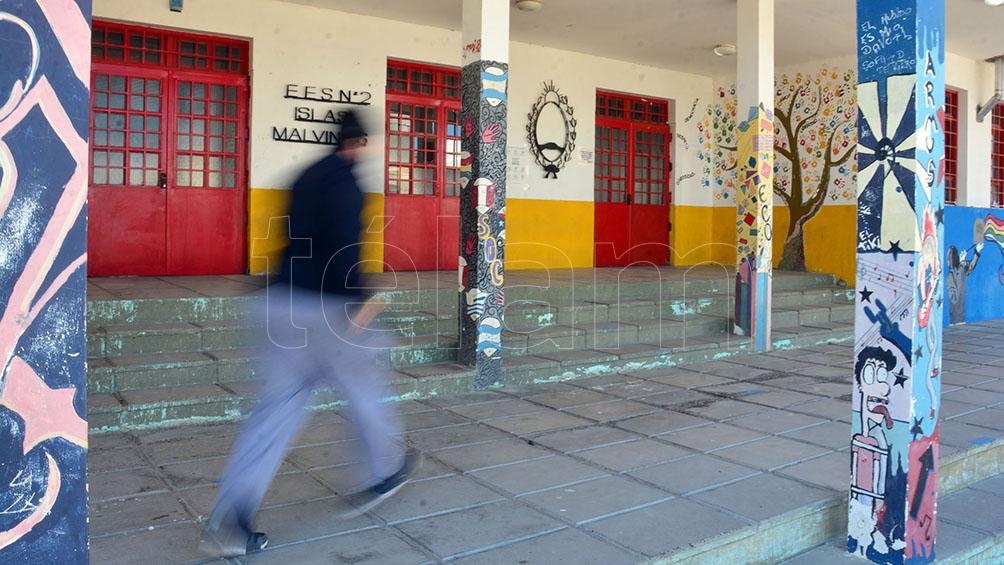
x: 484, y: 82
x: 44, y: 82
x: 755, y: 170
x: 897, y: 384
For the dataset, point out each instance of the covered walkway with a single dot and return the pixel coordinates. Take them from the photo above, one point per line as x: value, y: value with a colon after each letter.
x: 670, y: 463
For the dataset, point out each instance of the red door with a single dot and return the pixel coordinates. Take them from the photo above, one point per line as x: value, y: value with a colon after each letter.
x: 127, y: 200
x: 422, y: 204
x: 632, y: 172
x: 168, y: 180
x: 206, y: 195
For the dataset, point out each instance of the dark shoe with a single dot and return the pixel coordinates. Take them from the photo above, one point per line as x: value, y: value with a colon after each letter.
x: 368, y: 499
x: 231, y: 540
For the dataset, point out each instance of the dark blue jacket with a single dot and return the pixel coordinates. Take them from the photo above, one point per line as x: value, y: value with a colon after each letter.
x: 325, y: 223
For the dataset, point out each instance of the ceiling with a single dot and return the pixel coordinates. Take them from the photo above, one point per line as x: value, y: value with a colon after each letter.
x: 679, y: 34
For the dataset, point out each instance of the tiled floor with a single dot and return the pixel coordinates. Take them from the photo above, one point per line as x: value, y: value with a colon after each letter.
x: 606, y: 470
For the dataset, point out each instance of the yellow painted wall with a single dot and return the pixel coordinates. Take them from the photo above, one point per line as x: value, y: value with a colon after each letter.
x: 558, y: 234
x: 829, y: 238
x: 554, y: 234
x: 267, y: 230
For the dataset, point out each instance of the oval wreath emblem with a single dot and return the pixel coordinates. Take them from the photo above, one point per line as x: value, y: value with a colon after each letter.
x: 551, y: 130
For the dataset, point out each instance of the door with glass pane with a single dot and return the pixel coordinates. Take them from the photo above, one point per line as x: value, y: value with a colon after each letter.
x: 422, y: 204
x: 168, y: 139
x: 650, y: 152
x: 127, y: 232
x: 631, y: 180
x: 205, y: 196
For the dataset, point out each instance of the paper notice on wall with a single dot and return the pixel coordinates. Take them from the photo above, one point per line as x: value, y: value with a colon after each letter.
x: 586, y: 157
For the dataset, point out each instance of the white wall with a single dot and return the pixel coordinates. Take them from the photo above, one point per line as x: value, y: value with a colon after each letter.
x: 975, y: 81
x: 306, y: 45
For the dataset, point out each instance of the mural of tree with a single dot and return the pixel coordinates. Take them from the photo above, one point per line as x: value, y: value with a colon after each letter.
x: 816, y: 137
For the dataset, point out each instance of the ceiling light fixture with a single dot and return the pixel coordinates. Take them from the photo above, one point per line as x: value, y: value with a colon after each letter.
x: 534, y: 5
x: 994, y: 2
x: 726, y: 49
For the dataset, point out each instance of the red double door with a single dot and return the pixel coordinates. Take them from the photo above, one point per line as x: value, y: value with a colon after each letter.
x: 422, y: 199
x: 168, y: 179
x: 632, y: 197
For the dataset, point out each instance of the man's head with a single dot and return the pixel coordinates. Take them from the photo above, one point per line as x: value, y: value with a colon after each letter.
x: 352, y: 137
x: 871, y: 373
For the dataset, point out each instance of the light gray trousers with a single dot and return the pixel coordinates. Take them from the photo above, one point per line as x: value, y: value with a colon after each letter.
x: 308, y: 347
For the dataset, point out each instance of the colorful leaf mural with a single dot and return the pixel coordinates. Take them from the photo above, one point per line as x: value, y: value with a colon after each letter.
x: 816, y: 120
x: 44, y: 74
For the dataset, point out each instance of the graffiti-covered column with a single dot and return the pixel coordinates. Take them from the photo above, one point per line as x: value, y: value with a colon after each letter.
x: 755, y: 170
x: 484, y: 81
x: 43, y: 243
x: 897, y: 380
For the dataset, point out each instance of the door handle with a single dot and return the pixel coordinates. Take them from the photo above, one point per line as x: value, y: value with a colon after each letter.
x: 162, y: 180
x: 629, y: 199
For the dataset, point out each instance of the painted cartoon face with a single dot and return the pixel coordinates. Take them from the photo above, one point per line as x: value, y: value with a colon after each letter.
x: 875, y: 389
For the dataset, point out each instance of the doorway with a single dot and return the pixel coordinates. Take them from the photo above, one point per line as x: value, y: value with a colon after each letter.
x: 632, y: 180
x: 168, y: 140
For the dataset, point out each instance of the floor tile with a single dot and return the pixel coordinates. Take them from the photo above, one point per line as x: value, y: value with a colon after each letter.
x: 667, y: 526
x: 763, y: 496
x: 124, y: 484
x: 554, y: 548
x: 714, y: 436
x: 832, y: 435
x: 770, y: 453
x: 132, y: 513
x: 541, y: 474
x: 693, y: 473
x: 433, y: 497
x: 830, y: 471
x: 180, y: 542
x: 493, y: 454
x: 369, y: 547
x: 661, y: 422
x: 775, y: 421
x: 538, y: 422
x: 611, y: 411
x: 482, y: 527
x: 632, y: 455
x: 594, y: 499
x: 568, y: 441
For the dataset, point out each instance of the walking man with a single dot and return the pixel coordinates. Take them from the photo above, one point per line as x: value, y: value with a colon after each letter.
x: 317, y: 320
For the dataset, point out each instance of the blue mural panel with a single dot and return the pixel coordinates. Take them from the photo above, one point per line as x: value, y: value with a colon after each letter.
x: 974, y: 264
x: 44, y: 77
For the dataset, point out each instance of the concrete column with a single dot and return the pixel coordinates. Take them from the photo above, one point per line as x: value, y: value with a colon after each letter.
x: 484, y: 81
x: 897, y: 369
x: 43, y: 282
x: 755, y: 169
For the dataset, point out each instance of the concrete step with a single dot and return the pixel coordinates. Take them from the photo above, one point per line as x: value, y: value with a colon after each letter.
x: 123, y: 340
x: 170, y: 389
x: 816, y: 534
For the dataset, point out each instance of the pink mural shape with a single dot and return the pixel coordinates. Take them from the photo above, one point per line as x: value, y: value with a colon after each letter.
x: 57, y: 31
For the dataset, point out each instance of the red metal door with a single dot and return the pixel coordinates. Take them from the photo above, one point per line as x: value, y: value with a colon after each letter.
x: 422, y: 208
x: 127, y: 199
x: 206, y: 195
x: 612, y: 208
x: 632, y: 172
x: 650, y: 154
x: 168, y: 179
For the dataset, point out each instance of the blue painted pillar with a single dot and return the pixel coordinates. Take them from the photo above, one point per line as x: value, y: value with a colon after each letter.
x: 44, y: 82
x: 484, y: 85
x: 755, y: 170
x: 897, y: 369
